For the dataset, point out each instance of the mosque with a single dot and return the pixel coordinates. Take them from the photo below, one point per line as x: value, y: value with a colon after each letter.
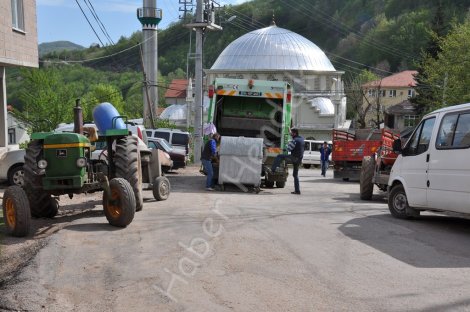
x: 274, y: 53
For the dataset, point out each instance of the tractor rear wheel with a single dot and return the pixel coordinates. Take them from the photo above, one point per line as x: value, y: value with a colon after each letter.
x: 161, y: 188
x: 119, y: 208
x: 16, y: 214
x: 40, y: 202
x: 128, y: 166
x: 365, y: 181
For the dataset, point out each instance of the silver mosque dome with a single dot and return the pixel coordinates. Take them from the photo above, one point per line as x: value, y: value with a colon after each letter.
x: 272, y: 48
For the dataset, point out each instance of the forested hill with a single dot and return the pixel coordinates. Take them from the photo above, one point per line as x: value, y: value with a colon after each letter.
x: 386, y: 34
x: 58, y: 46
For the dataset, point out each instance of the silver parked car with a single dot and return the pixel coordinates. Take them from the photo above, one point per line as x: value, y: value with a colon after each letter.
x: 11, y: 166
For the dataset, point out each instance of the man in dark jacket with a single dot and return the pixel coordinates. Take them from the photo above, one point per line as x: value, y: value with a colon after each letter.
x: 325, y: 152
x: 209, y: 151
x: 296, y: 149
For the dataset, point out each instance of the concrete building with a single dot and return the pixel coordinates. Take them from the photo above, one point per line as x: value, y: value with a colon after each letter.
x: 274, y: 53
x: 18, y: 47
x: 390, y: 91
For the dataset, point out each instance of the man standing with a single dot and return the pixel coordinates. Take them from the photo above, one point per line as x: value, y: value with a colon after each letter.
x: 296, y: 149
x: 325, y: 152
x: 209, y: 151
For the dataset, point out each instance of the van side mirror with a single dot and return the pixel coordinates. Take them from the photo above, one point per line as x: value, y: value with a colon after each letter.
x: 396, y: 146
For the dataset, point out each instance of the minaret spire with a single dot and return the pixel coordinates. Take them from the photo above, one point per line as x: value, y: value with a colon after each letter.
x: 273, y: 22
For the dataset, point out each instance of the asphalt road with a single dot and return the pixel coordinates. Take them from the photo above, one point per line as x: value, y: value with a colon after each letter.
x: 325, y: 250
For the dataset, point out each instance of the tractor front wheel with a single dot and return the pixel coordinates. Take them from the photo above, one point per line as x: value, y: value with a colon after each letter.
x: 119, y: 206
x: 16, y: 212
x: 161, y: 188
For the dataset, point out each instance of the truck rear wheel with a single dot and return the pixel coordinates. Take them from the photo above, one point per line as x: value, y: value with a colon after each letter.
x: 128, y: 166
x: 365, y: 181
x: 280, y: 184
x: 269, y: 184
x: 398, y: 203
x: 16, y: 213
x: 307, y: 166
x: 119, y: 208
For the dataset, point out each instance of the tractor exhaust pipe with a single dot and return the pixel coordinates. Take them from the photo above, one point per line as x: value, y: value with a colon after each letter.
x: 77, y: 118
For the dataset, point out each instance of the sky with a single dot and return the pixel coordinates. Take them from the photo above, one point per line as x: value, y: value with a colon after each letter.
x: 63, y: 20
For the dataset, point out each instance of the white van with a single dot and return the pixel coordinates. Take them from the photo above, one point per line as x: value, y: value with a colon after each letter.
x: 312, y: 153
x: 433, y: 170
x: 177, y: 138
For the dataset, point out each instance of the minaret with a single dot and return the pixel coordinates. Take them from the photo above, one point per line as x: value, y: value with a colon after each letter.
x: 150, y: 16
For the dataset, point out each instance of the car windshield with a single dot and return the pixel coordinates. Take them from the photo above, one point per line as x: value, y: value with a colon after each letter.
x: 159, y: 145
x: 166, y: 144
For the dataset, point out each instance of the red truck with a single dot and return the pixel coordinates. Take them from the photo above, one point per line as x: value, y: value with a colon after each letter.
x: 349, y: 149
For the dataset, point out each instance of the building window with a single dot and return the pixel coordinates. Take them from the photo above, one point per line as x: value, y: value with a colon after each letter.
x: 372, y: 93
x: 17, y: 16
x: 392, y: 93
x: 410, y: 120
x: 411, y: 93
x: 383, y: 93
x: 11, y: 136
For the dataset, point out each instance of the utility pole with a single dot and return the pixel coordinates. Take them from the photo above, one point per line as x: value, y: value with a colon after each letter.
x: 149, y: 16
x: 205, y: 20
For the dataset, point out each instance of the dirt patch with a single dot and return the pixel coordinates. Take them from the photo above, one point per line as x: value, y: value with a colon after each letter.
x: 16, y: 252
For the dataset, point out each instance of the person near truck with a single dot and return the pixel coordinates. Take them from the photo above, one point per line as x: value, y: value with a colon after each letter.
x: 325, y: 152
x: 296, y: 149
x: 209, y: 152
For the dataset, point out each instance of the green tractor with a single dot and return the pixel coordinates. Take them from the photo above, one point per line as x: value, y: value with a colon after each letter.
x: 61, y: 164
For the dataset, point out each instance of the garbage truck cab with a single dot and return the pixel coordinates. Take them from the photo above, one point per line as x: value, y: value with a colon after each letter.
x: 254, y: 109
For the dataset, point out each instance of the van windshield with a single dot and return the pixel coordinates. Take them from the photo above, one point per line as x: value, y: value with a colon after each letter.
x: 163, y: 135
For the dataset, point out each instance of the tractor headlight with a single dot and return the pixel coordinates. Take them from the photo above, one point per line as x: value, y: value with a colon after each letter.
x: 81, y: 162
x: 42, y: 164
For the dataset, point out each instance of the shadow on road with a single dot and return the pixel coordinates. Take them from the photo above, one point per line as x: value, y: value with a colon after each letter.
x: 429, y: 242
x: 42, y: 227
x: 196, y: 184
x: 92, y: 227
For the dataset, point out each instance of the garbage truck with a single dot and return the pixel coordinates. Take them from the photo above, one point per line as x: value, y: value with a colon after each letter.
x: 254, y: 109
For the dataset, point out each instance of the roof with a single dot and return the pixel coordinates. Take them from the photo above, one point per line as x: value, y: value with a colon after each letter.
x: 404, y: 79
x: 177, y: 89
x: 403, y: 108
x: 272, y: 48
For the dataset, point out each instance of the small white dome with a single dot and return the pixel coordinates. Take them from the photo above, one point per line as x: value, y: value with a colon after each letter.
x: 272, y: 48
x: 323, y: 105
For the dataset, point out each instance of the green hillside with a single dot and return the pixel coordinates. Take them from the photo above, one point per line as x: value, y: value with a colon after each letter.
x: 57, y: 46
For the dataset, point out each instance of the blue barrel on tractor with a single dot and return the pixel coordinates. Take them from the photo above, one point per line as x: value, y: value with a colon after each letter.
x: 107, y: 118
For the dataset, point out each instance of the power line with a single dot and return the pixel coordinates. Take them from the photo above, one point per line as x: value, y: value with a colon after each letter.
x: 98, y: 20
x: 83, y: 12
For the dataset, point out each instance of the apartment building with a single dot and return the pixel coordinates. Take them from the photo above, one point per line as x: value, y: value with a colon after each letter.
x: 18, y: 47
x: 389, y: 91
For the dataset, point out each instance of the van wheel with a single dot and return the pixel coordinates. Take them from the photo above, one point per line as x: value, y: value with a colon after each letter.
x: 398, y: 204
x: 307, y: 166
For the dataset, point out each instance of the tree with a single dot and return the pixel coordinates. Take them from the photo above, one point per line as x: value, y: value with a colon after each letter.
x: 358, y: 103
x: 102, y: 93
x: 46, y: 100
x: 446, y: 77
